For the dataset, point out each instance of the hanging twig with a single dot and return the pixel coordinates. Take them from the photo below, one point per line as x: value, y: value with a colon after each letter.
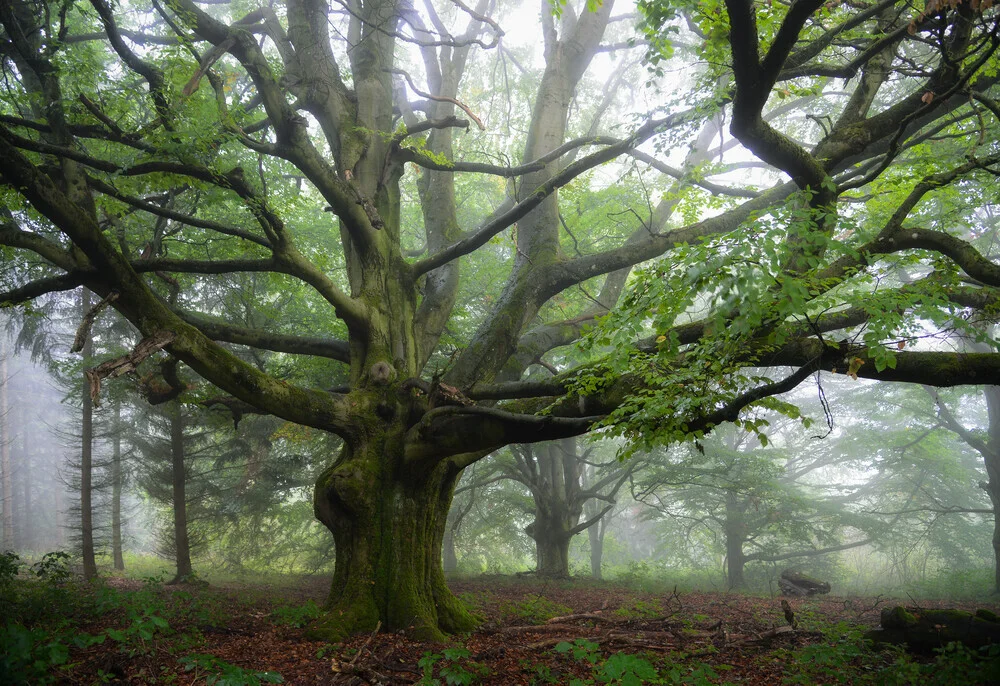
x: 438, y: 98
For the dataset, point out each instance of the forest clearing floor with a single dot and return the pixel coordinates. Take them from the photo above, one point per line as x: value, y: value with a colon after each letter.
x: 534, y: 631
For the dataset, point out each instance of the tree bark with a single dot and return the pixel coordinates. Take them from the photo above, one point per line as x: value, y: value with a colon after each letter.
x: 86, y: 458
x: 182, y: 548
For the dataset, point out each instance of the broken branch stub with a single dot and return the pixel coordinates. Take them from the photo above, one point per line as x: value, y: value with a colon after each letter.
x: 127, y: 363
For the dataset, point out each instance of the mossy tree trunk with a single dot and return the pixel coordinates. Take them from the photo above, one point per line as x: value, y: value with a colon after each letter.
x: 388, y: 523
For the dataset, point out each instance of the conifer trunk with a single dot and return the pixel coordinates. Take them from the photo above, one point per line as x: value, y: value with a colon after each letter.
x: 86, y: 459
x: 116, y: 490
x: 182, y: 549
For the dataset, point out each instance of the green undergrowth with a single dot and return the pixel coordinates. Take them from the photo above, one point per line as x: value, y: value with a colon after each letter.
x: 845, y: 657
x: 630, y: 669
x: 452, y: 666
x: 533, y: 609
x: 51, y: 618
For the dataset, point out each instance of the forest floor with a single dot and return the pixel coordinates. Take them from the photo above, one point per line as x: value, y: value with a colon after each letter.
x: 533, y: 632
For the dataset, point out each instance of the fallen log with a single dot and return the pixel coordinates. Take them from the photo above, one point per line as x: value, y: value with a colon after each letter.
x: 794, y: 583
x: 923, y: 631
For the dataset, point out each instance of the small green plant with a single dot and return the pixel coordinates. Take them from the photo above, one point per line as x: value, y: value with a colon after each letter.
x: 628, y: 670
x: 541, y: 672
x: 633, y: 670
x: 10, y: 564
x: 216, y: 672
x: 636, y: 574
x: 580, y: 649
x: 134, y: 638
x: 453, y: 665
x: 30, y: 656
x: 295, y: 615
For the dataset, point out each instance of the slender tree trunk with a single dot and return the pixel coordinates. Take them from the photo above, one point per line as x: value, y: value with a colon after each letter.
x: 388, y: 524
x: 596, y: 535
x: 182, y: 549
x: 5, y: 467
x: 86, y: 459
x: 116, y: 490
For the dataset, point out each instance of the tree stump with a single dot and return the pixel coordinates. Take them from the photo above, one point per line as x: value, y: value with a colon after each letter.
x: 923, y: 631
x: 795, y: 583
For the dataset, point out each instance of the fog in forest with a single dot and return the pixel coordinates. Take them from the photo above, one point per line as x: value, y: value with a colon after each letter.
x: 449, y: 342
x: 876, y: 488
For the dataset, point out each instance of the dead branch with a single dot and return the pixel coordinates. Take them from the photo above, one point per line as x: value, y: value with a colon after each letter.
x: 594, y: 616
x: 539, y: 628
x: 438, y: 98
x: 127, y: 363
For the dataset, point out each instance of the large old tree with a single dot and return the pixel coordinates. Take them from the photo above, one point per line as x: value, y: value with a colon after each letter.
x: 161, y: 153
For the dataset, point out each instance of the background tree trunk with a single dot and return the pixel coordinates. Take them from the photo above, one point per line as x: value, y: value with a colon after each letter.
x: 5, y: 467
x: 448, y: 557
x: 27, y: 530
x: 596, y: 536
x: 86, y: 458
x: 182, y: 548
x: 116, y: 489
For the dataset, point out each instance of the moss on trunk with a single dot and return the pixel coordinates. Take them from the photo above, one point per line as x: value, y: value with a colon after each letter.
x: 388, y: 523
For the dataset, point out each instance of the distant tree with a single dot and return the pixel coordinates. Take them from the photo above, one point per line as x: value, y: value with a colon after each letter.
x: 117, y: 485
x: 986, y: 442
x: 86, y: 346
x: 554, y: 474
x: 763, y: 502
